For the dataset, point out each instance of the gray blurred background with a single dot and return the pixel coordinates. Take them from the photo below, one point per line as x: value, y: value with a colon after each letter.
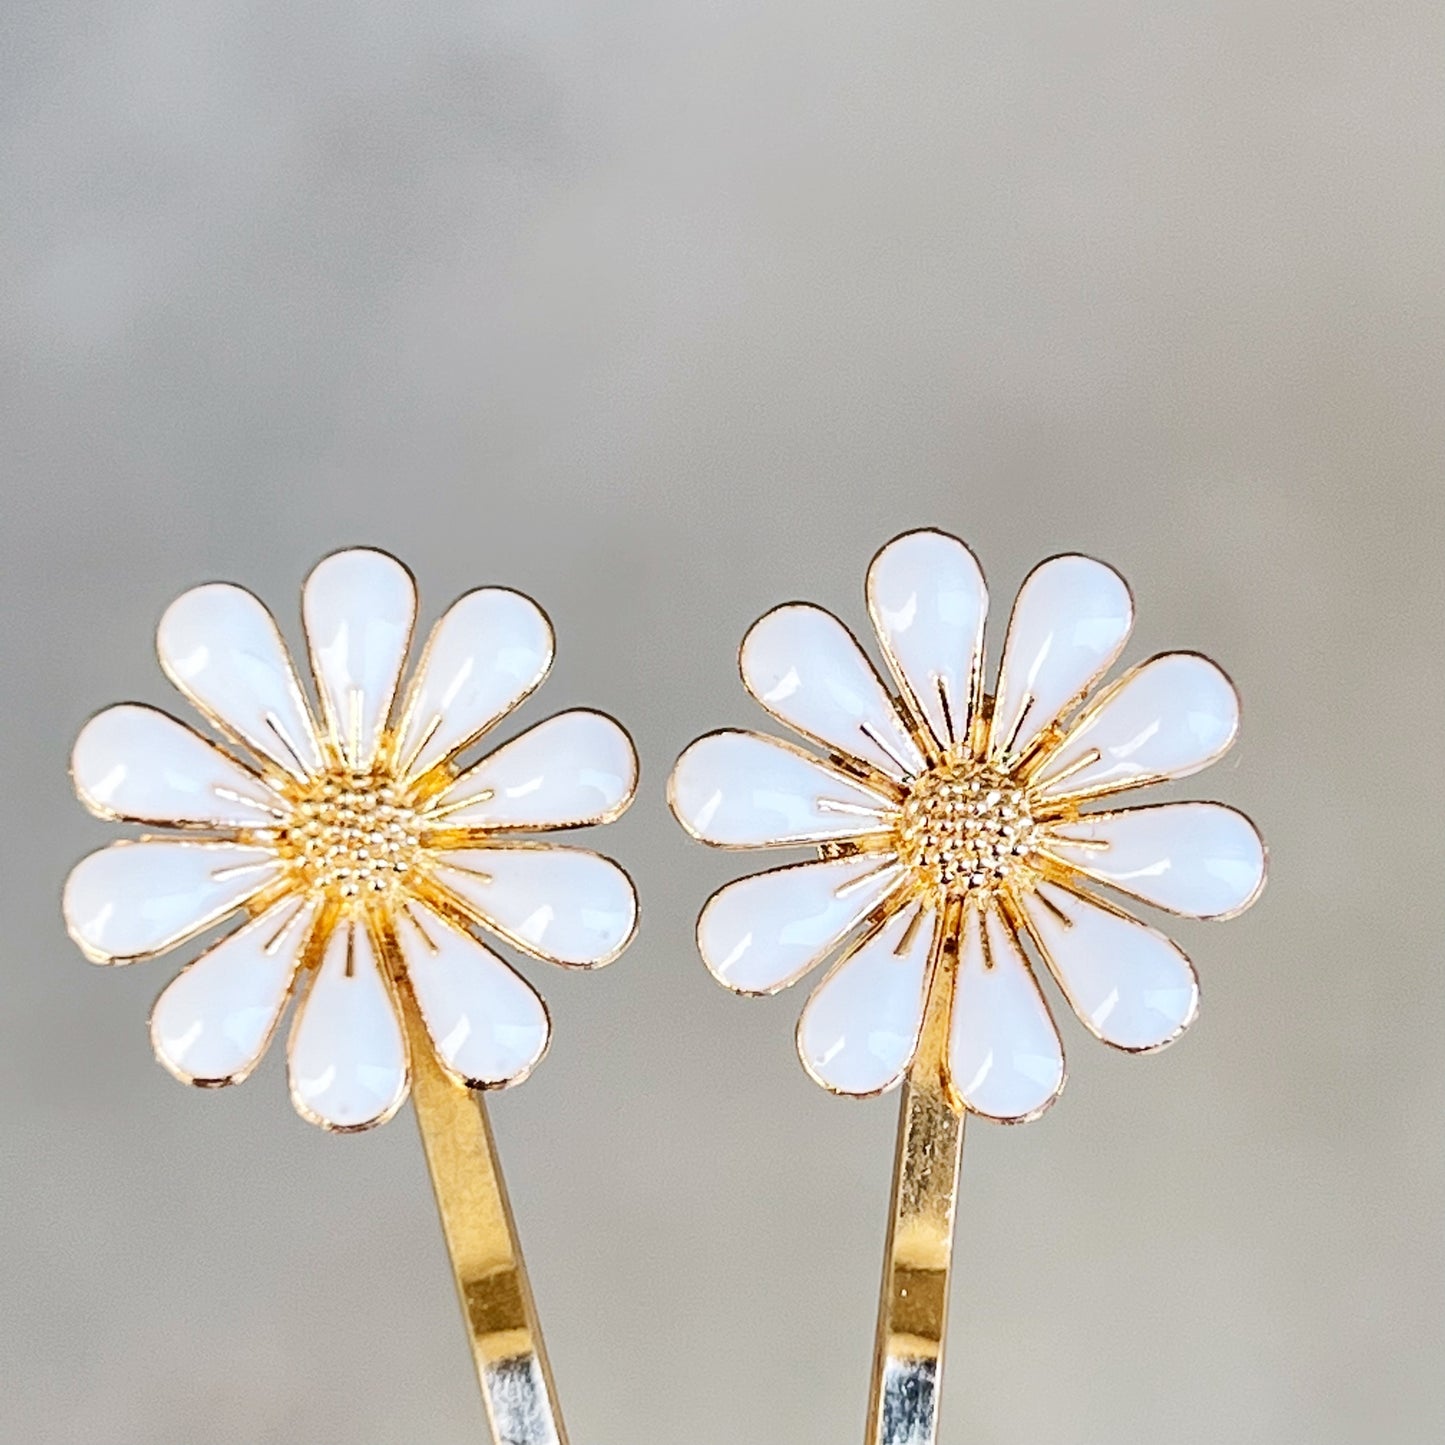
x: 665, y: 313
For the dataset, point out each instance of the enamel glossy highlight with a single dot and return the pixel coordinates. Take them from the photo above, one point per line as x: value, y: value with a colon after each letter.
x: 859, y: 1031
x: 927, y: 598
x: 762, y: 933
x: 805, y: 667
x: 136, y: 764
x: 490, y: 650
x: 743, y: 790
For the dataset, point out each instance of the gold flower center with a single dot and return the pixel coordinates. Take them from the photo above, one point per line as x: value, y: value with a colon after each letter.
x: 352, y: 836
x: 965, y: 826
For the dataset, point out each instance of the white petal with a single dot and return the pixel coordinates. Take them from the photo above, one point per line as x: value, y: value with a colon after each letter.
x: 1005, y: 1060
x: 216, y: 1017
x: 487, y: 652
x: 574, y: 769
x: 562, y: 904
x: 807, y: 669
x: 928, y: 601
x: 859, y: 1031
x: 136, y: 764
x: 761, y: 934
x: 1200, y: 859
x: 220, y: 646
x: 1131, y: 986
x: 1168, y: 718
x: 348, y: 1056
x: 487, y: 1024
x: 743, y: 790
x: 1070, y: 621
x: 135, y: 899
x: 359, y: 608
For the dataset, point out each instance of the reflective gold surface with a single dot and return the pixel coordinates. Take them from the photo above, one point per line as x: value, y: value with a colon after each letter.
x: 481, y: 1237
x: 913, y: 1304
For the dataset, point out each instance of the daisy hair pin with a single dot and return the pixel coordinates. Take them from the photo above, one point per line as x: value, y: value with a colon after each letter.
x: 366, y: 869
x: 967, y: 843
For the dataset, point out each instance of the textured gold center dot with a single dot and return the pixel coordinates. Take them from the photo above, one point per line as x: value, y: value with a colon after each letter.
x: 965, y: 827
x: 351, y: 836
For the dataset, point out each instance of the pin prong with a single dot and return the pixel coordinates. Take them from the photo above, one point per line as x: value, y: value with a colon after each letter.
x: 913, y: 1303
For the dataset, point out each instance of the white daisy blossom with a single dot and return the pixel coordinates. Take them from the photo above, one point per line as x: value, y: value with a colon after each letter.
x: 361, y: 853
x: 948, y: 815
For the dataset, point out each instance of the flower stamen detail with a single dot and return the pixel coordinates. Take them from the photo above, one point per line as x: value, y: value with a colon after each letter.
x: 965, y: 827
x: 351, y: 836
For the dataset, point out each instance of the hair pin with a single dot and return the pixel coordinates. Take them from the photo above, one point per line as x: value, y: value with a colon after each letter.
x: 364, y: 859
x: 957, y: 831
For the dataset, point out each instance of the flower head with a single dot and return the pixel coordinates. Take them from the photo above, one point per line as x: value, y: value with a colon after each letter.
x: 959, y: 830
x: 361, y: 851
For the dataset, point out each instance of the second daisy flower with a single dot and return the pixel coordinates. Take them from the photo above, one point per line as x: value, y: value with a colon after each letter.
x: 950, y: 813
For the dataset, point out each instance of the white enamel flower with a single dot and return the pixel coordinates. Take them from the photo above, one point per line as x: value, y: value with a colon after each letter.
x: 959, y: 830
x: 359, y: 850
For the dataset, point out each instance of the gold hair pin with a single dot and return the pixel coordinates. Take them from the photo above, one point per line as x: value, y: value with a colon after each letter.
x: 364, y: 858
x: 957, y: 832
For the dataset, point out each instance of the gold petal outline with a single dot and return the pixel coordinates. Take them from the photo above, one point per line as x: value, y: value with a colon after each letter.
x: 1095, y: 706
x: 300, y: 957
x: 438, y: 808
x: 1011, y: 937
x: 436, y: 893
x: 263, y: 890
x: 268, y: 765
x: 887, y: 904
x: 1082, y: 870
x: 963, y: 724
x: 402, y: 974
x: 1029, y: 929
x: 1000, y: 744
x: 853, y: 949
x: 368, y: 925
x: 332, y: 738
x: 833, y: 749
x: 225, y: 830
x: 830, y: 766
x: 402, y: 765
